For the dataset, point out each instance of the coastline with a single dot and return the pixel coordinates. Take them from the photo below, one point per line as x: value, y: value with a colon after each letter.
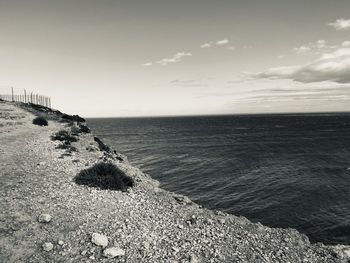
x: 148, y: 223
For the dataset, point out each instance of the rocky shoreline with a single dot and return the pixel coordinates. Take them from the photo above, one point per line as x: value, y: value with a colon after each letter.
x: 46, y: 217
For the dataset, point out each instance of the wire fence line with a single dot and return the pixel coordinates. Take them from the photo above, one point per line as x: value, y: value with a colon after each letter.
x: 27, y: 98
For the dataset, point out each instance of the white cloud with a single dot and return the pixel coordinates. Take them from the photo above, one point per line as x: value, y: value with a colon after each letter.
x: 340, y: 24
x: 302, y: 49
x: 333, y: 67
x: 207, y: 45
x: 189, y: 83
x: 231, y: 48
x: 315, y: 48
x: 222, y: 42
x: 346, y: 44
x: 321, y: 43
x: 174, y: 59
x: 147, y: 64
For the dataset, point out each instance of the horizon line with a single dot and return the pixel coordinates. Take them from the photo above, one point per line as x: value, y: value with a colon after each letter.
x: 224, y: 114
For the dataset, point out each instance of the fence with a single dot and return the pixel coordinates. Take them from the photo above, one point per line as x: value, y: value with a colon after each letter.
x: 27, y: 98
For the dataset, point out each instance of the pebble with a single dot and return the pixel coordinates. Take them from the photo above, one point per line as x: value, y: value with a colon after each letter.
x: 193, y: 259
x: 222, y: 221
x: 99, y: 239
x: 47, y: 246
x: 60, y: 242
x: 113, y: 252
x: 44, y: 218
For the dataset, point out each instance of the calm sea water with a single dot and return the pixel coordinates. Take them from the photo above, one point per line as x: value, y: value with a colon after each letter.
x: 280, y: 170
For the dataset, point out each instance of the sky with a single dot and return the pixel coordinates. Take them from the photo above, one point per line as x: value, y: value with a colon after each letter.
x: 111, y: 58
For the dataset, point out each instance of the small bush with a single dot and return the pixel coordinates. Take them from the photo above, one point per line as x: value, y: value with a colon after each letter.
x: 41, y: 121
x: 101, y: 145
x: 67, y: 146
x: 84, y: 128
x: 63, y: 136
x: 104, y: 176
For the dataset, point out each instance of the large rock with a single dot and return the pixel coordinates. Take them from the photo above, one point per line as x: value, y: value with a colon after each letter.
x: 99, y: 239
x: 113, y: 252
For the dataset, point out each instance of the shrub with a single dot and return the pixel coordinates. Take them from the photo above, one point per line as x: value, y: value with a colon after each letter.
x: 104, y: 176
x: 41, y: 121
x: 103, y: 147
x: 84, y: 128
x: 67, y: 146
x: 63, y: 135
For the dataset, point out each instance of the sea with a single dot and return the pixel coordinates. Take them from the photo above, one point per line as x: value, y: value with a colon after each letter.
x: 283, y: 170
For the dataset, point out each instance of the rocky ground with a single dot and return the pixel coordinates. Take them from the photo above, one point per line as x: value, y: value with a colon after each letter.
x: 46, y: 217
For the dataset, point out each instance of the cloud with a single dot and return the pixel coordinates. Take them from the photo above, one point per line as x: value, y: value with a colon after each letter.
x: 321, y: 43
x: 177, y: 57
x: 217, y: 43
x: 232, y: 48
x: 174, y: 59
x: 189, y: 83
x: 333, y: 67
x: 207, y: 45
x: 346, y: 44
x: 301, y: 49
x: 314, y: 47
x: 340, y: 24
x: 222, y: 42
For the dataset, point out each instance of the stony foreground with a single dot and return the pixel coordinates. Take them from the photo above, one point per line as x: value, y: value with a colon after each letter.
x: 46, y: 217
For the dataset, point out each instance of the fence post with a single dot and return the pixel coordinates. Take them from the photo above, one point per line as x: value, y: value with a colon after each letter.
x: 25, y: 96
x: 12, y: 92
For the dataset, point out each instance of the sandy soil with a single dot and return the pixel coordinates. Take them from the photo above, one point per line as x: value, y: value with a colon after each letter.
x: 144, y: 224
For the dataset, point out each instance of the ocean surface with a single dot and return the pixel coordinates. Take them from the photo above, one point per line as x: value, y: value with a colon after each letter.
x: 280, y: 170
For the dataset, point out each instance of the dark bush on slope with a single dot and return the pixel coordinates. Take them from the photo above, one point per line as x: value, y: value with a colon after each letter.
x: 63, y: 136
x: 104, y: 176
x: 41, y: 121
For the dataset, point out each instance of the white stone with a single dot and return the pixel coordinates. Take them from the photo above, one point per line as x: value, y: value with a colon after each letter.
x: 47, y: 246
x: 44, y: 218
x: 193, y: 259
x: 99, y: 239
x: 60, y: 242
x: 222, y: 221
x: 113, y: 252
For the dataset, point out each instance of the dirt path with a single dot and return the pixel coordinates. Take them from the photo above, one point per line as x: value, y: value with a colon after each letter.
x: 146, y: 224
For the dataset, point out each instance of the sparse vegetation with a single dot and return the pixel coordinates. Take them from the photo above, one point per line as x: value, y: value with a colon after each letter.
x: 64, y: 136
x: 101, y: 145
x: 104, y: 176
x: 67, y: 146
x: 41, y: 121
x: 84, y: 128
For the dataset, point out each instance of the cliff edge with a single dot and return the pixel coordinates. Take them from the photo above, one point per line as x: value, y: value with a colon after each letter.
x: 46, y: 216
